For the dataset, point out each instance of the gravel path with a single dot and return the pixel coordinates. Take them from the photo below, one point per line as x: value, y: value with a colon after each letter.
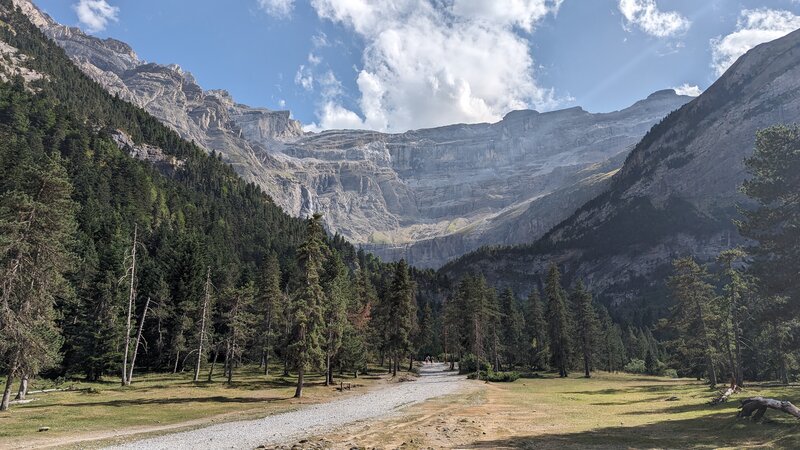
x: 311, y: 420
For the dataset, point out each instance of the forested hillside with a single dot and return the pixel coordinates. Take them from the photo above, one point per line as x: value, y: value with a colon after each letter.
x: 171, y: 254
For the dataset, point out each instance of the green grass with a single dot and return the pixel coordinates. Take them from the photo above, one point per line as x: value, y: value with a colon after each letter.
x: 155, y: 401
x: 625, y: 411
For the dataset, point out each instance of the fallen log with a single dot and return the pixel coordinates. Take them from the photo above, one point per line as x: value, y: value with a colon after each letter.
x: 724, y: 395
x: 755, y: 407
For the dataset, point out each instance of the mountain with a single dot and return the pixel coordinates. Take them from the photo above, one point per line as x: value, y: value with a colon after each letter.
x: 424, y: 195
x: 676, y: 194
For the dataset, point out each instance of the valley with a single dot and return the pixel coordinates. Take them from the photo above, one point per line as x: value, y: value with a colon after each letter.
x: 181, y: 270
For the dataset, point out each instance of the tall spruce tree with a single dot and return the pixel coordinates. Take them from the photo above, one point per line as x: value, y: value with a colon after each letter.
x: 512, y: 326
x: 558, y: 322
x: 694, y: 311
x: 337, y: 297
x: 402, y: 315
x: 307, y: 326
x: 267, y: 308
x: 536, y: 332
x: 586, y: 327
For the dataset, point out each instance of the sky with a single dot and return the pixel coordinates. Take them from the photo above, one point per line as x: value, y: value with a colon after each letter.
x: 395, y: 65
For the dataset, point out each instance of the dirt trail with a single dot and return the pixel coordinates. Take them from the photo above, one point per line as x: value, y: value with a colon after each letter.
x: 312, y: 420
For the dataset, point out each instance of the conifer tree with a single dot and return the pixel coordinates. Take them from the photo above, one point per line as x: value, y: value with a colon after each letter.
x: 267, y: 308
x: 512, y: 326
x: 424, y: 336
x: 692, y: 314
x: 612, y: 346
x: 37, y: 222
x: 558, y: 322
x: 536, y: 332
x: 586, y: 331
x: 337, y: 298
x: 402, y: 315
x: 307, y: 326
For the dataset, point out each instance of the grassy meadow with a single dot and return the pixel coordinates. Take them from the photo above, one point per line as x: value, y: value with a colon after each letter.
x: 156, y: 403
x: 608, y: 411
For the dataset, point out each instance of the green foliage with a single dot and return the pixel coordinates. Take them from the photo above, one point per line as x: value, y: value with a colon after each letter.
x: 635, y: 366
x: 470, y: 364
x: 558, y: 322
x: 496, y: 377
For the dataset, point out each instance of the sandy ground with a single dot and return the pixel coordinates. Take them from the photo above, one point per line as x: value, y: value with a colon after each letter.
x: 324, y: 418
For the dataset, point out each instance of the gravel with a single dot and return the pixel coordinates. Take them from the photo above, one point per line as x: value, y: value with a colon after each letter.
x: 313, y: 419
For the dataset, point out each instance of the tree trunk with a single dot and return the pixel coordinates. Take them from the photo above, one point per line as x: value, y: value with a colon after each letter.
x: 394, y: 365
x: 228, y: 362
x: 23, y: 388
x: 131, y: 301
x: 9, y: 381
x: 202, y: 326
x: 138, y: 340
x: 328, y: 374
x: 586, y: 365
x: 213, y: 363
x: 299, y: 391
x: 177, y: 358
x: 410, y: 363
x: 712, y: 374
x: 759, y: 405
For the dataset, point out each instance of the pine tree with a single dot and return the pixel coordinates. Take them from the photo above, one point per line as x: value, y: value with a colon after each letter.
x: 425, y: 336
x: 307, y: 326
x: 536, y: 332
x: 586, y: 331
x: 558, y: 322
x: 238, y: 322
x: 267, y: 308
x: 402, y: 314
x: 512, y: 326
x: 613, y: 348
x: 36, y: 226
x: 337, y: 294
x: 694, y: 298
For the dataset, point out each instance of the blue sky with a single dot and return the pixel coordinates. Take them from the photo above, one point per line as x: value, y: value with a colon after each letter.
x: 400, y: 64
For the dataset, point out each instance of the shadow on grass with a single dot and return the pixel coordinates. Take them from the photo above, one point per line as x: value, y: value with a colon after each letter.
x: 164, y: 401
x: 656, y: 389
x: 717, y: 430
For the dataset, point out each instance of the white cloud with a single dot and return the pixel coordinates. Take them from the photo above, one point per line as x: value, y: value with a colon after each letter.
x: 314, y: 59
x: 277, y: 8
x: 646, y: 15
x: 687, y: 89
x: 95, y: 15
x: 429, y: 63
x: 755, y: 26
x: 304, y: 78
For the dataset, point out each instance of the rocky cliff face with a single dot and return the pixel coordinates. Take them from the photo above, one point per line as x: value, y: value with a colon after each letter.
x: 675, y: 195
x: 426, y: 195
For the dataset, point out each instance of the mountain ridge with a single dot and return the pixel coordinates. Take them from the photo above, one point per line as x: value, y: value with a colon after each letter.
x: 398, y: 195
x: 675, y: 195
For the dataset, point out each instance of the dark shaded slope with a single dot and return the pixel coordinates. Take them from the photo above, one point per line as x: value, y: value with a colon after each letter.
x: 675, y: 195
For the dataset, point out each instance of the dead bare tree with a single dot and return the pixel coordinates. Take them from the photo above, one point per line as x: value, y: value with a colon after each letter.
x: 201, y: 339
x: 138, y: 340
x: 131, y: 299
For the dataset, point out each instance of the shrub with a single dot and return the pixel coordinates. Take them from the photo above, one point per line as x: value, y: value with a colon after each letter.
x: 471, y: 363
x: 635, y: 366
x: 497, y: 377
x: 672, y: 373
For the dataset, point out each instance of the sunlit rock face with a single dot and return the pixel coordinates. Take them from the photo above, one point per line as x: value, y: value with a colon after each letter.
x: 676, y: 195
x: 424, y: 195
